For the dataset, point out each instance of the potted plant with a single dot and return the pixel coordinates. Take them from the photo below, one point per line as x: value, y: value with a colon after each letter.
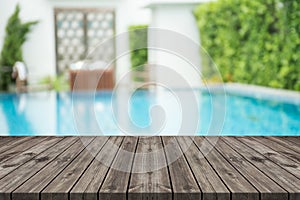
x: 16, y: 33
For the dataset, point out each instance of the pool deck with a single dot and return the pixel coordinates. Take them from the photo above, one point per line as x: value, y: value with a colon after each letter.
x: 92, y: 168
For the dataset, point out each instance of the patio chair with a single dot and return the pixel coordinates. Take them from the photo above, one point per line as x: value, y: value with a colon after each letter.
x: 20, y: 74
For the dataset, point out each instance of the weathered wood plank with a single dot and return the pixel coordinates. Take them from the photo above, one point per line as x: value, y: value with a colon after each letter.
x: 267, y: 187
x: 210, y: 184
x: 233, y: 165
x: 59, y: 188
x: 150, y: 178
x: 6, y: 139
x: 31, y: 189
x: 21, y: 158
x: 116, y: 182
x: 286, y: 143
x: 285, y: 162
x: 295, y: 156
x: 13, y: 180
x: 10, y: 153
x: 283, y: 178
x: 183, y: 183
x: 240, y: 188
x: 13, y: 143
x: 89, y: 184
x: 294, y: 140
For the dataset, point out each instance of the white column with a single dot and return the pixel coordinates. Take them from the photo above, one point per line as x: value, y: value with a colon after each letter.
x: 176, y: 16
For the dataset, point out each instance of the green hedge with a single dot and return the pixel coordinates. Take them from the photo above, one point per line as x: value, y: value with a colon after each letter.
x: 252, y: 41
x: 138, y: 41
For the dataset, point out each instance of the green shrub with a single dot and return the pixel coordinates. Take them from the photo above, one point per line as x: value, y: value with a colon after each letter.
x: 57, y: 83
x: 16, y: 33
x: 138, y: 43
x: 254, y: 42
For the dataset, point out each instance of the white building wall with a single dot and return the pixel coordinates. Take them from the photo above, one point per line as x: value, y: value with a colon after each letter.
x: 175, y: 16
x: 39, y: 50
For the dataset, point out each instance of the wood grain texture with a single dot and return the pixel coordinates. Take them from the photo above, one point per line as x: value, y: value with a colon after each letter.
x: 21, y: 158
x: 283, y: 178
x: 16, y: 178
x: 10, y: 153
x: 275, y: 146
x: 150, y: 178
x: 89, y: 184
x: 12, y: 143
x: 92, y: 168
x: 285, y: 162
x: 7, y: 139
x: 210, y: 184
x: 183, y: 182
x: 63, y: 183
x: 32, y: 188
x: 116, y: 182
x: 294, y: 140
x: 239, y: 186
x: 286, y: 143
x: 267, y: 187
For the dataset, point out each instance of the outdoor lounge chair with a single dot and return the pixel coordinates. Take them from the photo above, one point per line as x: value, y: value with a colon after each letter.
x: 20, y: 74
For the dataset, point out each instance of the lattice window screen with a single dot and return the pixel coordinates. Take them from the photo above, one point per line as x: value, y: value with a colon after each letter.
x: 80, y: 31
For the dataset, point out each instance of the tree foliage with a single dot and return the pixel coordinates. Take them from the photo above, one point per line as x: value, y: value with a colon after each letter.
x: 16, y: 33
x: 254, y: 42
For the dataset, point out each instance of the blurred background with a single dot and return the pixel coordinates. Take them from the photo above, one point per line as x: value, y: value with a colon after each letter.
x: 250, y: 41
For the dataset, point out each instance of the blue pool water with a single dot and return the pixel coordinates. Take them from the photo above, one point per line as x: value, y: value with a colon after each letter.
x: 105, y: 113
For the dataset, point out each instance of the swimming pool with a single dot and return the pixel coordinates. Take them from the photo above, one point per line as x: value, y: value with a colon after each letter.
x: 50, y: 113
